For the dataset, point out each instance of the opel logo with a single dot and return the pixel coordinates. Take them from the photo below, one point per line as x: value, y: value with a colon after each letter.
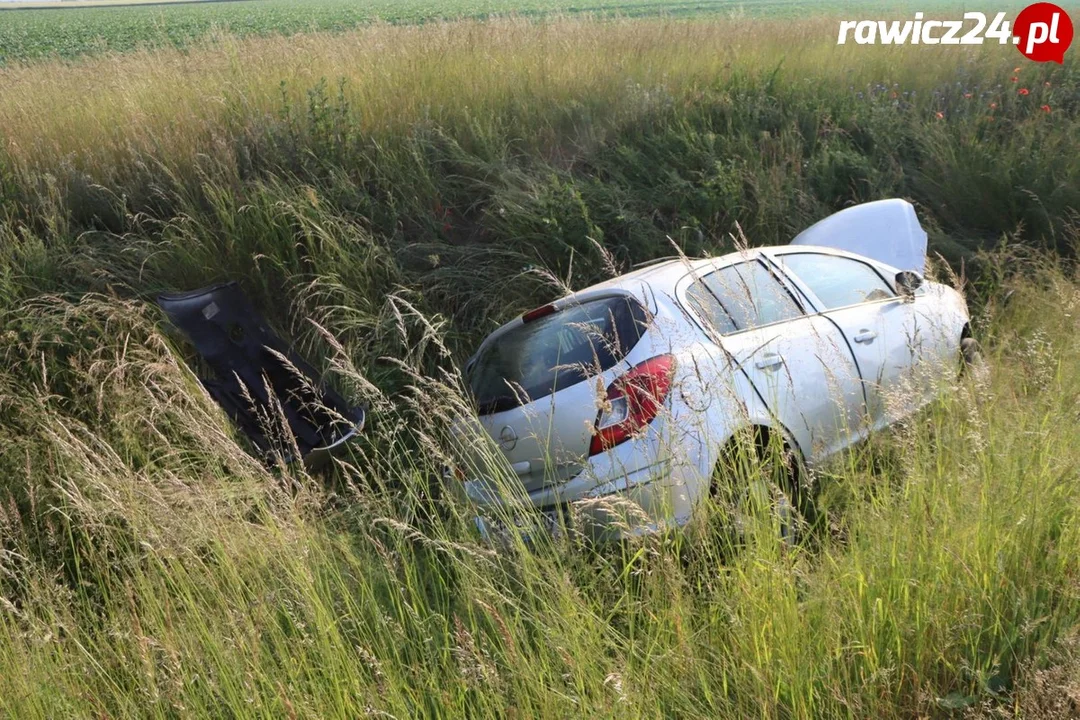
x: 507, y: 438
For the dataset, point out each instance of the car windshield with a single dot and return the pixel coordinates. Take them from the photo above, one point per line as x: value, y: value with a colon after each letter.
x: 554, y: 352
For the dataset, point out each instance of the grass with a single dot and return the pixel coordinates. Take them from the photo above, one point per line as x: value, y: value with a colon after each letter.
x: 77, y: 4
x: 389, y: 196
x: 34, y: 32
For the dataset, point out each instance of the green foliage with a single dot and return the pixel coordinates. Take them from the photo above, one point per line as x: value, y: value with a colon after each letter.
x: 34, y: 34
x: 150, y: 566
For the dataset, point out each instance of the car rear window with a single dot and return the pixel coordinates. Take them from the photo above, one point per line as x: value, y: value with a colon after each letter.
x: 554, y: 352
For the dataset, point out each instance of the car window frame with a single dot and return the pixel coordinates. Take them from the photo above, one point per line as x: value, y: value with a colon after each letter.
x: 699, y: 274
x: 807, y: 292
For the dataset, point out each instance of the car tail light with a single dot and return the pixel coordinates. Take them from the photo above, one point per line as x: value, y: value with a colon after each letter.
x: 633, y: 400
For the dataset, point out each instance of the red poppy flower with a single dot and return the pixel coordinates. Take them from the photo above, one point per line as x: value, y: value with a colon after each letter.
x: 1016, y: 79
x: 940, y: 115
x: 1023, y: 91
x: 993, y: 106
x: 1045, y: 108
x: 967, y: 95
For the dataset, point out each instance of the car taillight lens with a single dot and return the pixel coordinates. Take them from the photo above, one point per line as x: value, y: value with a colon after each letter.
x: 633, y: 400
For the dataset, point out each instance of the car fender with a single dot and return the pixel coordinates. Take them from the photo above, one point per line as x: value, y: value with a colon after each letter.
x: 714, y: 413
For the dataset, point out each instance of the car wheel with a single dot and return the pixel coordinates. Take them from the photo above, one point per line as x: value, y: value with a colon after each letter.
x: 971, y: 357
x: 758, y: 481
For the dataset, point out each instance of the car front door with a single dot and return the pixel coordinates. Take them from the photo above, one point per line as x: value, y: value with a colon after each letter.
x: 881, y: 328
x: 799, y: 364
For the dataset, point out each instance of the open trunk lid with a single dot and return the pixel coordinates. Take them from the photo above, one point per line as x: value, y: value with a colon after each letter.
x: 885, y: 230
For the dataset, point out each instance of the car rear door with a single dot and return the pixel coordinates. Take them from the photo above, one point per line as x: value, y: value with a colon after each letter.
x: 881, y: 328
x: 799, y: 364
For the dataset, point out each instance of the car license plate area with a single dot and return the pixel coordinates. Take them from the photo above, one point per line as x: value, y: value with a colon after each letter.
x: 529, y: 525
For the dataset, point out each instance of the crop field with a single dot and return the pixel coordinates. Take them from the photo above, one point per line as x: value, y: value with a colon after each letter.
x: 33, y: 34
x: 388, y: 195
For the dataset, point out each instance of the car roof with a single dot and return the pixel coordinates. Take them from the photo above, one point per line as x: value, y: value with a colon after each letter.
x: 663, y: 276
x: 657, y: 274
x: 660, y: 277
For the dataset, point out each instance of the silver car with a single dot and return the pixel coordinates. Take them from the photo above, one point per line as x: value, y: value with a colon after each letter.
x: 623, y: 399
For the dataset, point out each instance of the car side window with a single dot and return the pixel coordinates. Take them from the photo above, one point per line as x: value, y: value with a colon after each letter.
x: 837, y: 281
x: 708, y: 308
x: 740, y: 297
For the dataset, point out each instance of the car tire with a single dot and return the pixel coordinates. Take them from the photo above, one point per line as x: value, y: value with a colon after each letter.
x: 768, y: 476
x: 971, y: 357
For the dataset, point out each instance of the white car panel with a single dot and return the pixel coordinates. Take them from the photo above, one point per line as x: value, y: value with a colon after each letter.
x: 806, y: 376
x: 886, y: 230
x: 879, y: 334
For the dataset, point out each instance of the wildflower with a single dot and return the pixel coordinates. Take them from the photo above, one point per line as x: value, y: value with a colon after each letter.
x: 967, y: 95
x: 893, y: 94
x: 1046, y: 84
x: 1023, y: 91
x: 993, y: 106
x: 1015, y: 79
x: 1045, y: 108
x: 1016, y: 69
x: 940, y: 115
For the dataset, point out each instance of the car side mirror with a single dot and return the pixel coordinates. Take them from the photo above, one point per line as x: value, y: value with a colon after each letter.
x: 907, y: 282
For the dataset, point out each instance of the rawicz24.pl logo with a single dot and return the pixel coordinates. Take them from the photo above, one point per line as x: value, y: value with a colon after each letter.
x: 1041, y: 32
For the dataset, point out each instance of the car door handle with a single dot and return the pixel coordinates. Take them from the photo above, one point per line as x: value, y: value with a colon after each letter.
x: 769, y: 361
x: 865, y: 336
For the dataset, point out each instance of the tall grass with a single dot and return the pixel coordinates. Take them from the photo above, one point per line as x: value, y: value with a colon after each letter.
x: 396, y: 156
x: 439, y: 180
x: 151, y: 567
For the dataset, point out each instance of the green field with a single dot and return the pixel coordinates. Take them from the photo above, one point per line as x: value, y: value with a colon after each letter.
x: 391, y: 194
x: 33, y: 34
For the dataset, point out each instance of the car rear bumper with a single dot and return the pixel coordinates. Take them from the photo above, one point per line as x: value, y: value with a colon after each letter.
x: 607, y: 502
